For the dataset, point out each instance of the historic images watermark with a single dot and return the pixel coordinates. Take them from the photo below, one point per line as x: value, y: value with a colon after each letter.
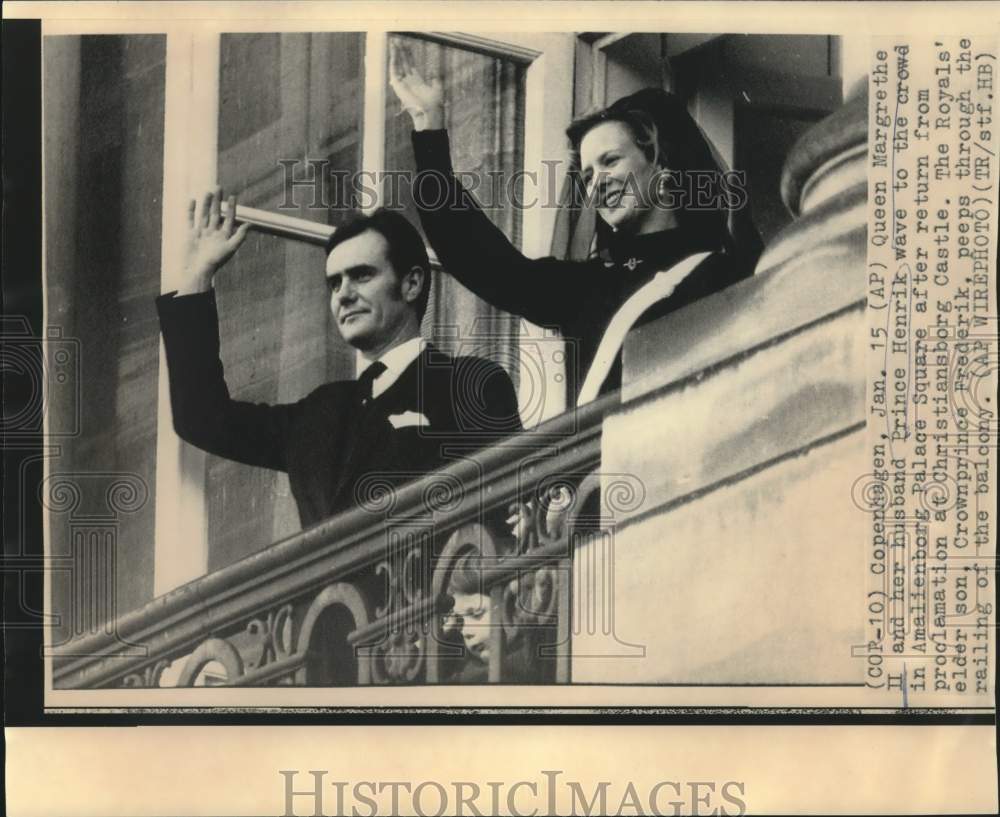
x: 317, y: 184
x: 316, y: 794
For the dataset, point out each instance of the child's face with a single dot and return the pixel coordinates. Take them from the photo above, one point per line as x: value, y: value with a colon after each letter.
x: 474, y: 609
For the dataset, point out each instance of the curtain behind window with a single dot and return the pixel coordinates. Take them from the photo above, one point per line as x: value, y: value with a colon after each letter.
x: 484, y: 115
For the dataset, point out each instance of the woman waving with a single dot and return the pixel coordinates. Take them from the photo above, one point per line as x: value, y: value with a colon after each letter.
x: 661, y: 196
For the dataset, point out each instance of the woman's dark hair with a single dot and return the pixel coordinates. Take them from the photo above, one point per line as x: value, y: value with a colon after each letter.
x: 406, y: 246
x: 667, y: 134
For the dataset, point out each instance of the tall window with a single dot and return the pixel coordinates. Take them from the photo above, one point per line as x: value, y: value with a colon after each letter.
x: 484, y: 110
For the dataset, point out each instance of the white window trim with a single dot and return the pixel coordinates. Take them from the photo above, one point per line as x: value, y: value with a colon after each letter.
x: 548, y: 109
x: 189, y: 168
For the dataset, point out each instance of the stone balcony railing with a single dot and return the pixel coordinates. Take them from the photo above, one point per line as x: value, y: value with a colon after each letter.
x: 710, y: 529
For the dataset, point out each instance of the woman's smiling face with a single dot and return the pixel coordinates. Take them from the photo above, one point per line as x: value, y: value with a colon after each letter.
x: 619, y: 176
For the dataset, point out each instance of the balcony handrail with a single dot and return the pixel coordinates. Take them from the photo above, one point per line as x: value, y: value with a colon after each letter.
x: 335, y: 547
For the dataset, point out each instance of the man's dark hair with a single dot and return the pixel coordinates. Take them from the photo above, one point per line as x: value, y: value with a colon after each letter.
x: 406, y: 246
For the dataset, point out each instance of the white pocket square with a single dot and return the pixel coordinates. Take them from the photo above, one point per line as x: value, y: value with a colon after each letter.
x: 408, y: 419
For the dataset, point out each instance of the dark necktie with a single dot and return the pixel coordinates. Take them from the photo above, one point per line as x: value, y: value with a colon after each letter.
x: 366, y: 380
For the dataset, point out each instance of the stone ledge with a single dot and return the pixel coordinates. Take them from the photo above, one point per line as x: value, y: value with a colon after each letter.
x: 750, y: 411
x: 814, y: 271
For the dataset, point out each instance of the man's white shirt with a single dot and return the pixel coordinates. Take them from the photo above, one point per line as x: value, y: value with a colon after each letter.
x: 396, y: 361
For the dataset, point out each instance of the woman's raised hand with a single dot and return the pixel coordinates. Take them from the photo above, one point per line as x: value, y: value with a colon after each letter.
x: 211, y: 241
x: 422, y: 99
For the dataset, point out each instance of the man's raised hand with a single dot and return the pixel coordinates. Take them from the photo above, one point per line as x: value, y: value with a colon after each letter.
x: 211, y: 242
x: 422, y: 99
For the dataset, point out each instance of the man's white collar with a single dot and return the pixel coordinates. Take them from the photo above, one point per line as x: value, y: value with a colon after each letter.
x: 396, y: 361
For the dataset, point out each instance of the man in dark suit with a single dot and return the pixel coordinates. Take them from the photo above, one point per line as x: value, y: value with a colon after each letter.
x: 398, y: 420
